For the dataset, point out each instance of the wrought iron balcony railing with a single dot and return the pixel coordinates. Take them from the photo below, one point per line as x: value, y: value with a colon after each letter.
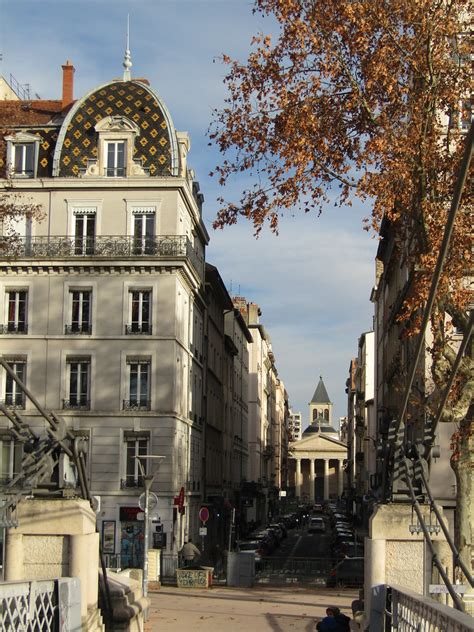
x: 11, y: 328
x: 135, y: 329
x: 14, y: 402
x: 136, y: 404
x: 107, y: 246
x: 132, y: 481
x: 78, y: 329
x: 76, y: 404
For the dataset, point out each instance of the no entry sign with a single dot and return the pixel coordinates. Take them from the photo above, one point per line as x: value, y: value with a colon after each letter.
x: 204, y: 514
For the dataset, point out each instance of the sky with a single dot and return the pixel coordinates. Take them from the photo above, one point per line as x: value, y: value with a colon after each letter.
x: 312, y: 281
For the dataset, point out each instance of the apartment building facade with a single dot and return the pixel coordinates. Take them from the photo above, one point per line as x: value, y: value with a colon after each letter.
x: 103, y: 300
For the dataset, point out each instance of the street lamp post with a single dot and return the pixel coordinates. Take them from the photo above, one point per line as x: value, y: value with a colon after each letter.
x: 148, y: 480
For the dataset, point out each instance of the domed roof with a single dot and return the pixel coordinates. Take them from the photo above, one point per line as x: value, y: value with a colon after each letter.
x: 320, y: 428
x: 155, y: 144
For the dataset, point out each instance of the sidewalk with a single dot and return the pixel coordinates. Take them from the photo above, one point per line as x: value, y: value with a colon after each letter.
x: 259, y: 609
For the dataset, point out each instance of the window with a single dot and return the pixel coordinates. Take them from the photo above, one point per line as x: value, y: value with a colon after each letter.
x: 116, y: 152
x: 136, y: 445
x: 143, y: 233
x: 16, y: 312
x: 10, y: 458
x: 84, y: 231
x: 139, y: 313
x: 78, y: 383
x: 138, y: 384
x: 14, y: 395
x: 24, y: 159
x: 81, y: 310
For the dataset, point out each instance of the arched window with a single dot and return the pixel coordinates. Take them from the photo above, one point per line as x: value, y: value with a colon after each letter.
x: 326, y: 414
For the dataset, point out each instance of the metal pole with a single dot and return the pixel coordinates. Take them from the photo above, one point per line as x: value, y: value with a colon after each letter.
x: 148, y: 482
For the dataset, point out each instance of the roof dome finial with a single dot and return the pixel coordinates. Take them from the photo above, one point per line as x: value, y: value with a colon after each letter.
x: 127, y: 61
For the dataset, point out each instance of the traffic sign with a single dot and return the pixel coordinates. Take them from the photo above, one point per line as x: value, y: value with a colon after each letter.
x: 202, y: 531
x: 204, y: 514
x: 152, y: 501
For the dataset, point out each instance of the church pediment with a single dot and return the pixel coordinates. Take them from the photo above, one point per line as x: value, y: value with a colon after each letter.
x: 318, y: 443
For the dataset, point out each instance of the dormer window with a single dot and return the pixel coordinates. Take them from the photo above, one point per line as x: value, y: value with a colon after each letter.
x: 22, y: 155
x: 115, y: 150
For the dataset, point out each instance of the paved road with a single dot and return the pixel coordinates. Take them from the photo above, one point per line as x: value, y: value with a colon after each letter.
x: 222, y: 609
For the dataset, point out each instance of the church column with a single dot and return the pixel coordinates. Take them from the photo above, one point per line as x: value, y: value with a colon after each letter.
x: 326, y: 479
x: 298, y: 478
x: 311, y: 480
x: 340, y: 477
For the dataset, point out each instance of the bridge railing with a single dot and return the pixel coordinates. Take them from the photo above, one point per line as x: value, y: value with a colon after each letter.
x: 398, y: 608
x: 46, y: 605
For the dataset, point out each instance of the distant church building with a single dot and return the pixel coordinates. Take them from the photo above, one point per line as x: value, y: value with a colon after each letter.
x: 318, y: 458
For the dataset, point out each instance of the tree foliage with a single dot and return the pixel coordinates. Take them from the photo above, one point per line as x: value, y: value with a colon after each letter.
x: 368, y: 100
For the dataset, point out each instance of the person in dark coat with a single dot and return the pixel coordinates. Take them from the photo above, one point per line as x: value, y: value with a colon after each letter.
x: 329, y: 623
x: 343, y: 621
x: 334, y: 621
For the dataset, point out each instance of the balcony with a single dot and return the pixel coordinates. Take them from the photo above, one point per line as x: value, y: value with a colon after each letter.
x: 136, y: 330
x: 135, y: 482
x: 76, y: 404
x: 14, y: 329
x: 136, y: 404
x: 78, y: 329
x: 101, y: 247
x: 14, y: 402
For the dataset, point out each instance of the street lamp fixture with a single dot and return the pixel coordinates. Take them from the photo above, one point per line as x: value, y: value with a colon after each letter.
x: 148, y: 481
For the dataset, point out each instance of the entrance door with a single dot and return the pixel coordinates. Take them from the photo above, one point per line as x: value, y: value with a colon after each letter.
x: 132, y: 537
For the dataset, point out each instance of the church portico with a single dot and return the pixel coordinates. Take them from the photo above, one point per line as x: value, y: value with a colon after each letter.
x: 317, y: 479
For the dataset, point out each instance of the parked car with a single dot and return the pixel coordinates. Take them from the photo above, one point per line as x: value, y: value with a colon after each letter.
x: 347, y: 572
x: 279, y: 531
x: 316, y: 525
x: 281, y: 527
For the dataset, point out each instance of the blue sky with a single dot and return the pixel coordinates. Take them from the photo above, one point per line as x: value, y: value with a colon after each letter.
x: 313, y: 281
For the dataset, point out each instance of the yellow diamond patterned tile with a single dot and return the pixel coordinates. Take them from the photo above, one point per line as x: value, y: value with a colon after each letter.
x: 44, y: 162
x: 77, y: 134
x: 45, y: 145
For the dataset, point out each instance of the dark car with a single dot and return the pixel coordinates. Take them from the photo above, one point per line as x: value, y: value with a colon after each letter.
x: 347, y: 572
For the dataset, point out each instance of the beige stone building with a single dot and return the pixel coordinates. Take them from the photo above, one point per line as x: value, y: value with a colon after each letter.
x: 102, y: 302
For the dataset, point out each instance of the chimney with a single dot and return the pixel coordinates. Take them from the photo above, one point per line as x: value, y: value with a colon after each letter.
x: 68, y: 83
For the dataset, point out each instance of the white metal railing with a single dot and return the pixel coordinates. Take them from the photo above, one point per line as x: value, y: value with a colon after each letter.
x: 398, y: 608
x: 40, y: 606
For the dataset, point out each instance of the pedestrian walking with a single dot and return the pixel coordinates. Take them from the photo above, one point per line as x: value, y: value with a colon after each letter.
x: 190, y: 553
